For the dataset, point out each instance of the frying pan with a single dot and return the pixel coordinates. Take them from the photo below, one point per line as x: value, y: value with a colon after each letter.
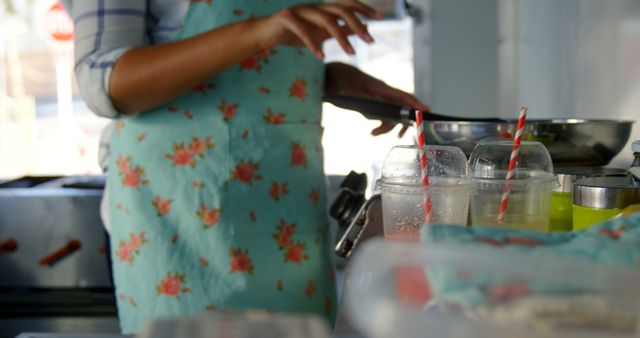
x: 571, y: 142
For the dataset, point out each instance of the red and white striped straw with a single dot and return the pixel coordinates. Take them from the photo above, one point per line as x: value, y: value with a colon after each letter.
x: 424, y: 172
x: 512, y: 164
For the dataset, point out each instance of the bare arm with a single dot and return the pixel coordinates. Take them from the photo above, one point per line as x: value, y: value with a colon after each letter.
x: 149, y: 76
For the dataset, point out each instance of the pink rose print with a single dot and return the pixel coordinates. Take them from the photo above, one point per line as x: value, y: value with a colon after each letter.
x: 295, y: 253
x: 211, y: 308
x: 311, y: 289
x: 188, y: 114
x: 264, y: 90
x: 280, y: 285
x: 255, y: 61
x: 199, y: 145
x: 283, y: 234
x: 175, y: 239
x: 133, y: 302
x: 203, y: 261
x: 136, y: 241
x: 120, y: 206
x: 252, y: 216
x: 272, y: 118
x: 142, y: 136
x: 172, y: 285
x: 198, y: 184
x: 298, y: 89
x: 209, y: 217
x: 162, y: 206
x: 123, y: 164
x: 314, y: 195
x: 228, y: 111
x: 186, y: 155
x: 240, y: 261
x: 124, y: 254
x: 238, y: 12
x: 181, y: 155
x: 250, y: 62
x: 328, y: 305
x: 298, y: 155
x: 132, y: 176
x: 264, y: 54
x: 246, y: 133
x: 278, y: 190
x: 202, y: 87
x: 127, y: 250
x: 245, y: 171
x: 132, y: 179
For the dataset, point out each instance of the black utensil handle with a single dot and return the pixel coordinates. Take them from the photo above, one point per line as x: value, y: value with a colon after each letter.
x: 378, y: 110
x: 373, y: 109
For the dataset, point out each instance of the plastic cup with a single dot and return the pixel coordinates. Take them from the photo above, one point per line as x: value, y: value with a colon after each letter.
x: 403, y: 196
x: 531, y: 186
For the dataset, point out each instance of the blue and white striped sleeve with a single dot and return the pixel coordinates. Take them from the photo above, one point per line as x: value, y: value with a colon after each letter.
x: 104, y: 30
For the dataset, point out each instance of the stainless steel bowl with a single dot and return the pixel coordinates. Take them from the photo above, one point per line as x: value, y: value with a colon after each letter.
x: 571, y: 142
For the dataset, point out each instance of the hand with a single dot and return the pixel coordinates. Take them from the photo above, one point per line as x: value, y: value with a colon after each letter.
x: 310, y: 25
x: 347, y: 80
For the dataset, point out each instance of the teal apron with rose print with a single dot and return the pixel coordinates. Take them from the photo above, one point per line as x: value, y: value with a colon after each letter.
x: 218, y: 198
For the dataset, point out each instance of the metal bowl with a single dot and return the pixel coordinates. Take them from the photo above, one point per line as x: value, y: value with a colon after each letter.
x: 571, y: 142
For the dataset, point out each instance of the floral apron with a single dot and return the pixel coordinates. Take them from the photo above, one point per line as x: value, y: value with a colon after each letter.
x: 218, y: 198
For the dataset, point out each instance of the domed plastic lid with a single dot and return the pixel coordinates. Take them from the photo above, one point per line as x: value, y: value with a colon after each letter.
x: 490, y: 160
x: 402, y: 164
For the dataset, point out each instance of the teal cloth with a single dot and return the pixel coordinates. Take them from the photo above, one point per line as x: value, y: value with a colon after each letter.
x: 615, y: 243
x: 218, y: 198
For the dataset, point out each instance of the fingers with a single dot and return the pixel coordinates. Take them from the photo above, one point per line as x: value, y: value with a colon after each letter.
x: 297, y: 26
x: 363, y: 9
x: 327, y: 21
x: 351, y: 20
x: 310, y: 25
x: 384, y: 128
x: 403, y: 130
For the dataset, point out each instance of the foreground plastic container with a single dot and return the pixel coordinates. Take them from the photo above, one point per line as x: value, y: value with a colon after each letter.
x: 531, y: 186
x: 403, y: 196
x: 478, y: 293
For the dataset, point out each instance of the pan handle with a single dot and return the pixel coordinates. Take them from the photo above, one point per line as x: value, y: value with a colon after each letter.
x: 378, y: 110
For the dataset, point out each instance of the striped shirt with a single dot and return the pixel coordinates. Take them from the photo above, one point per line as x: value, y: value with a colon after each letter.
x: 106, y: 29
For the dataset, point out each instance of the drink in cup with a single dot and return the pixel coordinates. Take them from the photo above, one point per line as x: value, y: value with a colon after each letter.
x: 403, y: 195
x: 529, y: 197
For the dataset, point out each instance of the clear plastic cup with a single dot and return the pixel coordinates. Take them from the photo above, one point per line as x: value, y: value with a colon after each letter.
x: 531, y: 186
x: 403, y: 196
